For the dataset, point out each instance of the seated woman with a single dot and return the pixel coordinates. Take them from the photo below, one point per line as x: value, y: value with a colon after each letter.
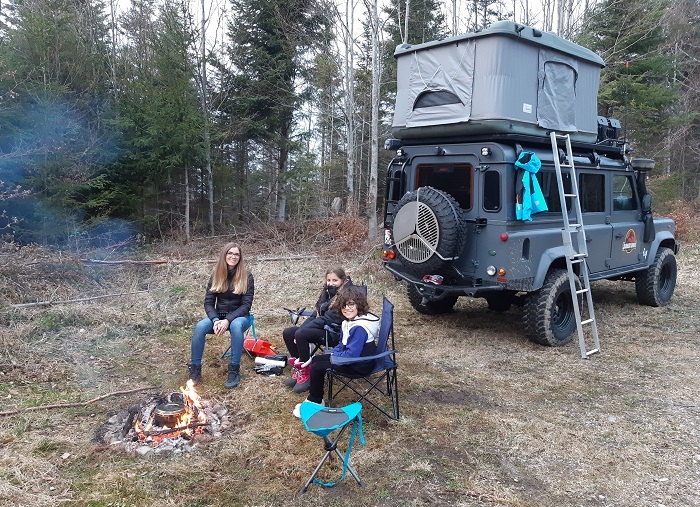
x: 360, y: 329
x: 297, y: 339
x: 227, y: 302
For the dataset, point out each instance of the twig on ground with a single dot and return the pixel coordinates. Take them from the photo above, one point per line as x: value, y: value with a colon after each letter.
x: 81, y: 300
x: 76, y: 404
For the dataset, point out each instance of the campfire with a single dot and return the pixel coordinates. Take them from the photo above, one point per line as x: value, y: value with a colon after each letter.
x: 164, y: 423
x: 179, y: 415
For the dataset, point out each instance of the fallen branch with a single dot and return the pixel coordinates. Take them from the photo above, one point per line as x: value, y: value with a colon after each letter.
x: 76, y: 404
x: 81, y: 300
x: 97, y: 261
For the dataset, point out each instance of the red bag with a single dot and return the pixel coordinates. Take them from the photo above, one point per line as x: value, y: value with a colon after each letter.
x: 258, y: 347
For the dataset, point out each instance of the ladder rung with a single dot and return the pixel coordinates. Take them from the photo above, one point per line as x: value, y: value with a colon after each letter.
x: 592, y: 351
x: 582, y: 291
x: 575, y: 261
x: 566, y: 166
x: 570, y: 195
x: 576, y: 226
x: 579, y: 255
x: 587, y: 321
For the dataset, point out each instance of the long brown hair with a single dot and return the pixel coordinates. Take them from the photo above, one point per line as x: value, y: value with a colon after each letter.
x: 219, y: 283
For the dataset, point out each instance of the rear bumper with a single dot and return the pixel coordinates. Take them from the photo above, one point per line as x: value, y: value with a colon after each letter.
x: 464, y: 286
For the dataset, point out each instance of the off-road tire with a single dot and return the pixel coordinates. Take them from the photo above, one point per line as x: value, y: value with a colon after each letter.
x: 435, y: 307
x: 443, y: 229
x: 655, y: 285
x: 549, y: 317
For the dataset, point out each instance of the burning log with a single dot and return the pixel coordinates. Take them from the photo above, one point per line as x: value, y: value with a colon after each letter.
x: 172, y: 430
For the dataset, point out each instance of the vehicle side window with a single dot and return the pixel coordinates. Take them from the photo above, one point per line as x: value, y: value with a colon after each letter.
x: 623, y: 193
x: 591, y: 188
x: 550, y: 189
x: 455, y: 179
x: 492, y: 191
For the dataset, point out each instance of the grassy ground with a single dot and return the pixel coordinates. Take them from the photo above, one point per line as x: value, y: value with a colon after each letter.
x: 488, y: 418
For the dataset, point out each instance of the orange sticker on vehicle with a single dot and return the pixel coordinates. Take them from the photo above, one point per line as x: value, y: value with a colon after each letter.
x: 630, y: 242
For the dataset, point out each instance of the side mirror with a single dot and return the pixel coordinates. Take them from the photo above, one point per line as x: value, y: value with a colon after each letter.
x: 646, y: 203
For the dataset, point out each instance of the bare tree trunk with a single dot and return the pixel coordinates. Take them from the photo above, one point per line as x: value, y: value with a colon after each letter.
x: 205, y: 112
x: 405, y: 30
x: 187, y: 206
x: 350, y: 104
x: 374, y: 143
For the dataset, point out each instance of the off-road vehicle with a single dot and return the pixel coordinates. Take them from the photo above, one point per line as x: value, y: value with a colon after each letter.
x: 466, y: 108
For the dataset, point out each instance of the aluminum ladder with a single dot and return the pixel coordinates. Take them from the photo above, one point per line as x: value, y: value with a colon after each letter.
x: 574, y: 237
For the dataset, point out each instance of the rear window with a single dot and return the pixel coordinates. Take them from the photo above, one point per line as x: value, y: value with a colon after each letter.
x: 455, y: 179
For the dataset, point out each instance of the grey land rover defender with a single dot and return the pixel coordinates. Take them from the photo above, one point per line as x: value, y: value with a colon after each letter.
x: 466, y: 108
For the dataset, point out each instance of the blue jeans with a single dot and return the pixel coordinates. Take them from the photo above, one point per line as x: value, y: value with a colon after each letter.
x: 205, y: 326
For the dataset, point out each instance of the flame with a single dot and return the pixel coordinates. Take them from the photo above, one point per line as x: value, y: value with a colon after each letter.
x: 194, y: 412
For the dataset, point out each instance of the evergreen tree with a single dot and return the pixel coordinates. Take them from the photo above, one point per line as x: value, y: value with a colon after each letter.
x: 636, y: 85
x: 54, y: 131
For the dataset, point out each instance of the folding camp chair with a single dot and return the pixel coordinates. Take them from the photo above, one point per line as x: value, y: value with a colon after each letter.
x: 322, y: 421
x: 383, y: 377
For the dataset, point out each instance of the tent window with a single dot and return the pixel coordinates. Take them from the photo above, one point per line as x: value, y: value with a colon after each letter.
x: 437, y: 98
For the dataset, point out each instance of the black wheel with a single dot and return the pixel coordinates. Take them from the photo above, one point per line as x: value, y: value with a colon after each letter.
x: 655, y: 286
x: 499, y: 301
x: 428, y: 229
x: 443, y: 304
x: 549, y: 317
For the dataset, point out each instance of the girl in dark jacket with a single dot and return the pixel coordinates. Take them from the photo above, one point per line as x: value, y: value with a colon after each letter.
x: 228, y: 301
x: 312, y: 329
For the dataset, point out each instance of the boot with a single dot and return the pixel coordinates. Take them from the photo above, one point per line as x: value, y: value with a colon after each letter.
x: 303, y: 380
x: 234, y: 375
x: 291, y: 382
x: 195, y: 373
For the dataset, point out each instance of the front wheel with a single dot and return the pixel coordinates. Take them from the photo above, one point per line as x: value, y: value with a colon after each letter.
x: 549, y: 317
x: 655, y: 286
x: 443, y: 304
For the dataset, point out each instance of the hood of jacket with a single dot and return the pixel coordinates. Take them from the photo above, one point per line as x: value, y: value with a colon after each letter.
x: 370, y: 322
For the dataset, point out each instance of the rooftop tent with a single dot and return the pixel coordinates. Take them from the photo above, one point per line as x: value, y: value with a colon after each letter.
x: 508, y: 78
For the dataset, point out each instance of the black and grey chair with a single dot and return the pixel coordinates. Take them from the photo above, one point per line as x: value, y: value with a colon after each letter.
x: 382, y: 380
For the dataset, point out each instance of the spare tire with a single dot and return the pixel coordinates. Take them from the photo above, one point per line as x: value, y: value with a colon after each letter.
x: 428, y: 229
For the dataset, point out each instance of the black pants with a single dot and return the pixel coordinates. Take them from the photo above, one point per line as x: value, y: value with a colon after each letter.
x: 303, y: 336
x: 321, y: 363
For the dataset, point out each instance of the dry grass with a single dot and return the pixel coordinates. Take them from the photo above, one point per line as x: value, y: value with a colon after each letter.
x: 488, y: 418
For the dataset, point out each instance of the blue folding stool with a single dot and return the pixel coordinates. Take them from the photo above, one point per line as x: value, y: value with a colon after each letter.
x: 322, y: 421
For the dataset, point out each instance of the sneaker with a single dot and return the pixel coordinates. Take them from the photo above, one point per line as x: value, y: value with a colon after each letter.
x: 303, y: 380
x: 291, y: 361
x: 297, y: 409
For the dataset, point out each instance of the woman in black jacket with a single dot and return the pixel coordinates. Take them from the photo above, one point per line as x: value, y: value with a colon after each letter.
x: 228, y: 301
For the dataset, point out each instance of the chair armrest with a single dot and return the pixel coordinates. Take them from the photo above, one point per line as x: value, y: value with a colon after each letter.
x: 340, y: 360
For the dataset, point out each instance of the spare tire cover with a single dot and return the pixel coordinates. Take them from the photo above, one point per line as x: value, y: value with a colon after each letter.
x: 428, y: 229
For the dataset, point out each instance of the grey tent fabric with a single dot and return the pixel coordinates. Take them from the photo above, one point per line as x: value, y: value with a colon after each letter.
x: 440, y: 85
x: 556, y: 91
x: 505, y: 79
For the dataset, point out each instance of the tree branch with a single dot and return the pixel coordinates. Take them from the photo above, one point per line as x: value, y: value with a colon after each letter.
x: 76, y: 404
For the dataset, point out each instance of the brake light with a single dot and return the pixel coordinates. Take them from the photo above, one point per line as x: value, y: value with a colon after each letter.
x: 388, y: 255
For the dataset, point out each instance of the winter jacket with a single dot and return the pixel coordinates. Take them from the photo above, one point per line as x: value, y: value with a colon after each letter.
x: 358, y: 337
x: 323, y: 316
x: 228, y: 303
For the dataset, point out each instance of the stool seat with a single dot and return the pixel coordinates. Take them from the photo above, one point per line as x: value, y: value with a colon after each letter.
x: 322, y: 421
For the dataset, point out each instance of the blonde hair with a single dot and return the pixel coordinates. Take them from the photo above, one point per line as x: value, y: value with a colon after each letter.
x: 219, y: 282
